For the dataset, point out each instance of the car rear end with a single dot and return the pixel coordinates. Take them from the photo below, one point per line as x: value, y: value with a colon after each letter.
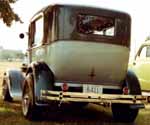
x: 91, y: 50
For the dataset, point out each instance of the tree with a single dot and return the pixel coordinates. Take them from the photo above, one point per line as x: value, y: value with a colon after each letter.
x: 6, y: 12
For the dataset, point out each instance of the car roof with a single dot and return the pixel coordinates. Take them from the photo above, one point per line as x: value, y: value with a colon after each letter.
x: 79, y: 7
x: 147, y: 43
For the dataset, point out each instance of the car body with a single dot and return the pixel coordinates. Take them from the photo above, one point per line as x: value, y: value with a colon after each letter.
x: 141, y: 65
x: 89, y: 62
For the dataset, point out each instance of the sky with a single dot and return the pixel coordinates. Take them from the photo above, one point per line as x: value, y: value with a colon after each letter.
x: 138, y: 9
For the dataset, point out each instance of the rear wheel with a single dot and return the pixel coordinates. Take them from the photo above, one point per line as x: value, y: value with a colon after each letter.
x: 79, y: 104
x: 148, y: 99
x: 124, y: 112
x: 5, y: 91
x: 29, y: 108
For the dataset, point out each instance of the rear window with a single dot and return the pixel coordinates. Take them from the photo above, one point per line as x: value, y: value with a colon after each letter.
x: 95, y: 25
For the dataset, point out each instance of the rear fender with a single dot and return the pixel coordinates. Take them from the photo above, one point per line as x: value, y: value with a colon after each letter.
x: 42, y: 76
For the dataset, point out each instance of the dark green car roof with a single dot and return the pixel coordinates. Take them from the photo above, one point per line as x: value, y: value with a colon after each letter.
x: 83, y: 7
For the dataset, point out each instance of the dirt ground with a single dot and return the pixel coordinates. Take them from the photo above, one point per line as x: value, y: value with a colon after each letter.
x: 10, y: 113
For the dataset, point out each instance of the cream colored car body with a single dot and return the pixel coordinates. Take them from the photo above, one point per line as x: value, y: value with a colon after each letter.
x: 141, y: 66
x: 74, y: 61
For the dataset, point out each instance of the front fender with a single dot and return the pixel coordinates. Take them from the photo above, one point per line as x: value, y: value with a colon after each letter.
x: 15, y: 79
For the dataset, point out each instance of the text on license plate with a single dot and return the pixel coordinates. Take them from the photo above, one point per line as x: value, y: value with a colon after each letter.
x: 92, y: 88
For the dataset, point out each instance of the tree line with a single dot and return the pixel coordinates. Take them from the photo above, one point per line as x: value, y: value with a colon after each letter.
x: 11, y: 55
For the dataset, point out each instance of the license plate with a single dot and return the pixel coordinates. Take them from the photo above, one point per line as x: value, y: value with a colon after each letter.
x: 92, y: 88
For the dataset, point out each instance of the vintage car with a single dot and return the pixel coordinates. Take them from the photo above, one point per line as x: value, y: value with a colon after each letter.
x: 76, y: 54
x: 141, y: 66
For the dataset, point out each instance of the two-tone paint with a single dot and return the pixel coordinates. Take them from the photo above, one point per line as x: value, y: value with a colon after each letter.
x: 80, y: 58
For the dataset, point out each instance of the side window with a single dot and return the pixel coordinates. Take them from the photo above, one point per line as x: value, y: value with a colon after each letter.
x: 145, y: 52
x: 31, y: 34
x: 148, y: 51
x: 50, y: 26
x: 38, y: 35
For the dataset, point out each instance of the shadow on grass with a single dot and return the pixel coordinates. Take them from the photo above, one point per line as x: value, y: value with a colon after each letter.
x: 90, y: 115
x: 10, y: 113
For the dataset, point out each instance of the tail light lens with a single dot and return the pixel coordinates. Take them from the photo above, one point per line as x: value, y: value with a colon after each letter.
x: 125, y: 90
x: 64, y: 87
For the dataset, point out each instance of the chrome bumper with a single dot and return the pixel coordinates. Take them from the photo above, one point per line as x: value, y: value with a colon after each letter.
x: 92, y: 97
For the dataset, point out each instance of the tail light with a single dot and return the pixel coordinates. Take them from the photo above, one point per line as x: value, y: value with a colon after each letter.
x: 125, y: 90
x: 64, y: 87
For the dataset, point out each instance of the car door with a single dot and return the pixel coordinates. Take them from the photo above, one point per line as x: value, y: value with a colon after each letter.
x: 141, y: 67
x: 37, y: 50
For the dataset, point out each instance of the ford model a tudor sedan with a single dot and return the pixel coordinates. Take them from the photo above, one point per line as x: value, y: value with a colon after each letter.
x: 79, y: 55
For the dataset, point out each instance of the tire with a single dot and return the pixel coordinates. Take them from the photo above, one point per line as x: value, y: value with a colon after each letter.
x: 123, y: 112
x: 29, y: 109
x: 148, y: 99
x: 5, y: 91
x: 79, y: 104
